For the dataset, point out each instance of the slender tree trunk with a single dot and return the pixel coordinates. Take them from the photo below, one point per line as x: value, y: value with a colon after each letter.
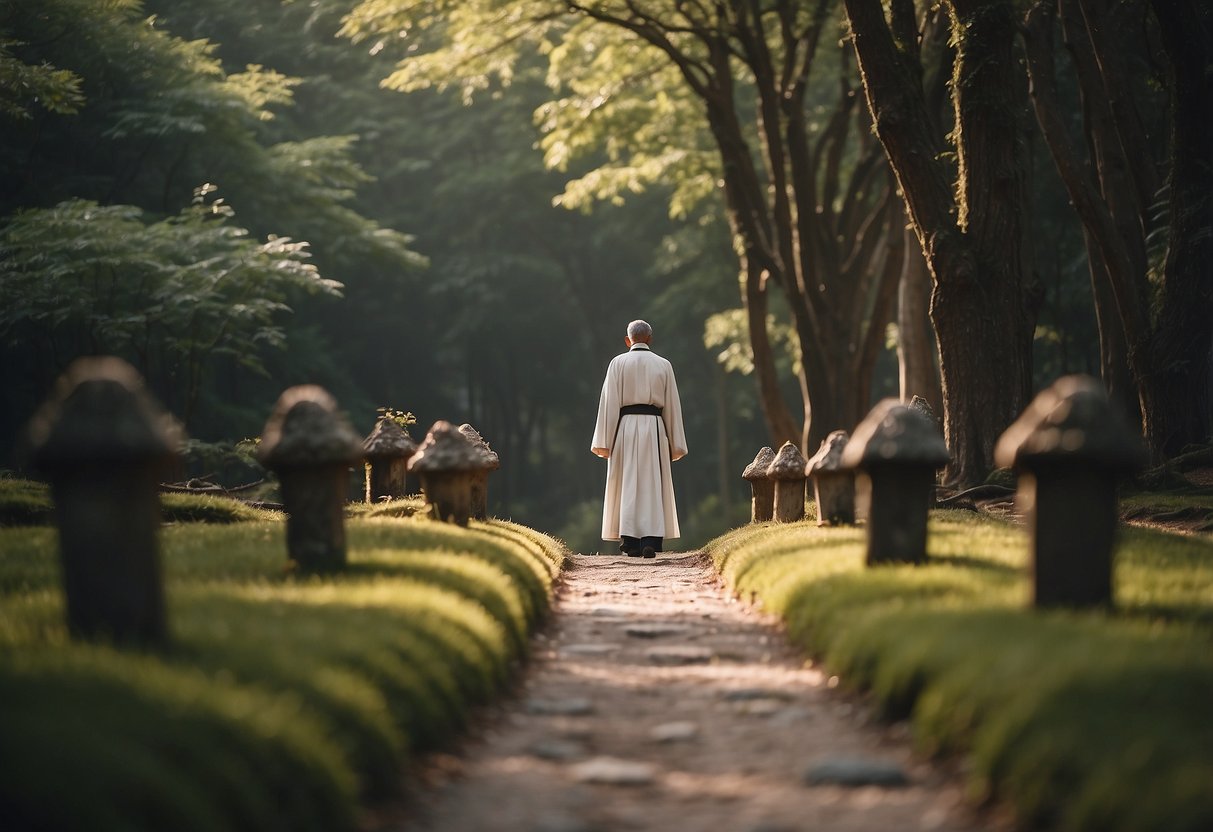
x: 917, y: 374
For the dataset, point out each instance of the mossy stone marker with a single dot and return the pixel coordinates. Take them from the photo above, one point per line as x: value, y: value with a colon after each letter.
x: 104, y: 443
x: 1069, y: 448
x: 489, y: 462
x: 833, y: 485
x: 446, y: 462
x: 896, y: 449
x: 787, y: 471
x: 387, y: 450
x: 311, y: 446
x: 762, y: 488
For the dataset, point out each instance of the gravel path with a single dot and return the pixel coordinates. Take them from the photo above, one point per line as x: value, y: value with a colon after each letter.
x: 655, y: 701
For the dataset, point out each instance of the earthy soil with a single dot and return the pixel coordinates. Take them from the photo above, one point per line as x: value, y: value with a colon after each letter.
x: 655, y: 701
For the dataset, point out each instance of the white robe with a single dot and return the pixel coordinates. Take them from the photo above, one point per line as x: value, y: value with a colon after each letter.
x: 639, y: 491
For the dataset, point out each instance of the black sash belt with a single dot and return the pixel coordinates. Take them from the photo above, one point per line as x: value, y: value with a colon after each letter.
x: 640, y: 410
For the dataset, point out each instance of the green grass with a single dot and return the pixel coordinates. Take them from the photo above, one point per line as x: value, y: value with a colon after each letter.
x: 282, y: 700
x: 28, y: 503
x: 1079, y: 721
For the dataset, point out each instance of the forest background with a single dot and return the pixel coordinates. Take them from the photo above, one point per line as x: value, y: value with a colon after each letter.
x: 226, y: 193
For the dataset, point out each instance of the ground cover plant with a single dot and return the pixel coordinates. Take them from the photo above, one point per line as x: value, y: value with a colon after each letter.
x: 1079, y: 721
x: 283, y: 701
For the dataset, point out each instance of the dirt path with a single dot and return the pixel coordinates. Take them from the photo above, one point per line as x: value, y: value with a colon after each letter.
x: 657, y: 702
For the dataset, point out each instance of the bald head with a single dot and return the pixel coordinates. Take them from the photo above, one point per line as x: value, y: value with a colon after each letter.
x: 640, y: 331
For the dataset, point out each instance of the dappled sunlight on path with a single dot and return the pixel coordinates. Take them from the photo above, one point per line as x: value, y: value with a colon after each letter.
x: 655, y: 701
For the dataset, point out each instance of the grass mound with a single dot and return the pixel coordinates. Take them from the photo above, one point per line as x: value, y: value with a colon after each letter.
x: 28, y: 503
x: 282, y: 700
x: 1080, y: 721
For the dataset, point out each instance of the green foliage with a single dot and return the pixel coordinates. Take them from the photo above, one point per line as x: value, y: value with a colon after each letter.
x: 1081, y: 721
x: 404, y: 418
x: 24, y: 503
x: 22, y: 85
x: 282, y: 699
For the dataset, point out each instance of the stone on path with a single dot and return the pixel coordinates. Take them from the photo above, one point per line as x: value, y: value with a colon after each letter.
x: 668, y: 732
x: 613, y: 771
x: 654, y: 630
x: 856, y: 771
x: 556, y: 749
x: 590, y: 649
x: 750, y: 694
x: 560, y: 707
x: 678, y: 655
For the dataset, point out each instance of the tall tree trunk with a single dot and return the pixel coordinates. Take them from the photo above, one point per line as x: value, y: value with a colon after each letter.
x: 917, y: 373
x: 973, y: 240
x: 1176, y: 395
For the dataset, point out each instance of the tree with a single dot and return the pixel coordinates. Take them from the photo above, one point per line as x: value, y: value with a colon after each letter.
x: 973, y: 235
x: 706, y: 93
x: 1155, y: 312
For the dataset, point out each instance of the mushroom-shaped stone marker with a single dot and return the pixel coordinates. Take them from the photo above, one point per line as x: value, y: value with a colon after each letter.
x: 445, y: 462
x: 788, y: 474
x: 924, y: 407
x: 480, y: 477
x: 1068, y: 449
x: 311, y: 446
x: 104, y: 444
x: 833, y: 485
x: 762, y: 489
x: 896, y: 449
x: 387, y: 450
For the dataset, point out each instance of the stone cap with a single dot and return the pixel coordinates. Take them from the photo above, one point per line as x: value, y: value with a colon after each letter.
x: 828, y: 458
x: 446, y: 449
x: 1071, y: 420
x: 100, y: 411
x: 788, y: 464
x: 757, y: 470
x: 491, y: 461
x: 894, y: 433
x: 388, y: 440
x: 306, y: 428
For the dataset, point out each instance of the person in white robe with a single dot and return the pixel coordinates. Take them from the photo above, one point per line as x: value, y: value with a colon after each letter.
x: 639, y: 432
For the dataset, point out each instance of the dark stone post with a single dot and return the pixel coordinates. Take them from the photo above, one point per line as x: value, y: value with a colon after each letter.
x: 1069, y: 448
x: 104, y: 443
x: 897, y: 450
x: 787, y: 472
x: 445, y: 462
x: 834, y: 486
x: 480, y: 477
x: 762, y: 489
x: 387, y: 450
x: 311, y: 447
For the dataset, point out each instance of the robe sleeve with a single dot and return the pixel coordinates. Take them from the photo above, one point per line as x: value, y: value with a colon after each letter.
x: 672, y: 415
x: 608, y: 412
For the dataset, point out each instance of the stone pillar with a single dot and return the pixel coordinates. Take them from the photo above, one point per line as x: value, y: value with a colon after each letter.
x: 104, y: 443
x: 310, y: 445
x: 445, y: 462
x: 1069, y: 448
x: 896, y: 450
x: 787, y: 471
x: 833, y: 485
x: 387, y: 450
x: 762, y: 489
x: 490, y: 462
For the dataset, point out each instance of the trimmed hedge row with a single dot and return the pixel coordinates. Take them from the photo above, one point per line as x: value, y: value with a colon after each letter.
x: 283, y: 701
x: 1094, y: 722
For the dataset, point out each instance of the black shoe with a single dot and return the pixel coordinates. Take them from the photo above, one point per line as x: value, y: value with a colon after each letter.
x: 648, y: 552
x: 630, y: 551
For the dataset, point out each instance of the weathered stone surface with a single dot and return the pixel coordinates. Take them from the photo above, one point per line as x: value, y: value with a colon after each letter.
x: 895, y: 433
x: 592, y: 649
x: 751, y: 694
x: 856, y: 771
x: 762, y: 489
x: 757, y: 470
x: 615, y: 772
